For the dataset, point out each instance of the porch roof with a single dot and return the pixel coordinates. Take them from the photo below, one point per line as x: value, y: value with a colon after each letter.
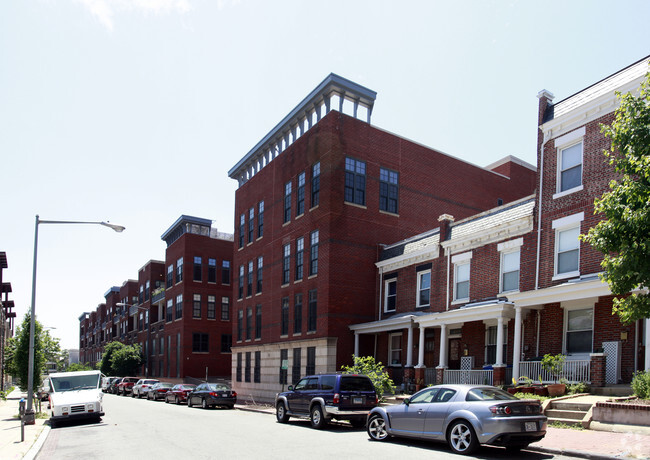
x: 400, y: 321
x: 480, y: 311
x: 584, y: 287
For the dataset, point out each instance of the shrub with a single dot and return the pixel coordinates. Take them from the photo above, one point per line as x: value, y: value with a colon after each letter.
x: 553, y: 364
x: 366, y: 365
x: 576, y: 388
x: 641, y: 384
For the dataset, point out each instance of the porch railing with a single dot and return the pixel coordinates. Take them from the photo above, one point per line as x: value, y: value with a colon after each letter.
x: 573, y: 371
x: 474, y: 377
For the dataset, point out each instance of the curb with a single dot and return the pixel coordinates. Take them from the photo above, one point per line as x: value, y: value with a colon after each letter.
x: 36, y: 447
x: 572, y: 453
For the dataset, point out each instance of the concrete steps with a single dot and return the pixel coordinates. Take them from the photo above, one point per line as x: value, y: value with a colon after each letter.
x: 567, y: 412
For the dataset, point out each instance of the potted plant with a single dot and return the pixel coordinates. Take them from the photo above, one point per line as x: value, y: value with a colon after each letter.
x: 553, y: 364
x: 522, y: 385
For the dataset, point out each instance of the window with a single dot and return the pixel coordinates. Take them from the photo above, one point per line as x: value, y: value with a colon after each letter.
x: 225, y: 308
x: 242, y: 229
x: 225, y: 272
x: 286, y: 259
x: 170, y: 275
x: 212, y: 270
x: 179, y: 306
x: 424, y: 288
x: 284, y: 319
x: 491, y: 344
x: 287, y: 202
x: 258, y: 321
x: 395, y: 349
x: 239, y: 367
x: 355, y: 181
x: 179, y: 270
x: 315, y: 184
x: 388, y: 190
x: 300, y: 249
x: 249, y: 280
x: 141, y: 294
x: 196, y: 305
x: 240, y: 292
x: 284, y: 363
x: 197, y: 268
x: 251, y: 224
x: 257, y: 370
x: 297, y: 314
x: 226, y: 343
x: 212, y: 307
x: 260, y: 267
x: 170, y: 310
x: 200, y: 343
x: 249, y: 323
x: 312, y: 311
x: 570, y: 167
x: 300, y: 195
x: 260, y: 220
x: 568, y: 250
x: 461, y: 286
x: 295, y: 369
x: 313, y: 253
x: 147, y: 290
x: 579, y: 330
x: 240, y: 324
x: 311, y: 361
x: 390, y: 301
x: 510, y: 271
x: 247, y: 368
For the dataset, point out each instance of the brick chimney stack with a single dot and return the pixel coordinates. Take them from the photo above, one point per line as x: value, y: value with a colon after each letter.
x: 445, y: 222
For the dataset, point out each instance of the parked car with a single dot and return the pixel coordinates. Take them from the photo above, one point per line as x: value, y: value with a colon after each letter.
x: 113, y: 386
x: 106, y: 383
x: 43, y: 393
x: 158, y: 390
x: 328, y: 396
x: 75, y: 395
x: 178, y: 393
x: 125, y: 387
x: 211, y: 395
x: 141, y: 387
x: 464, y: 416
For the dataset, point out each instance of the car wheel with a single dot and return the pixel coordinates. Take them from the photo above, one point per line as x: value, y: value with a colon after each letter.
x: 317, y: 418
x: 204, y: 404
x: 166, y: 400
x: 461, y: 438
x: 358, y: 422
x: 281, y: 413
x: 148, y: 396
x: 133, y: 394
x: 377, y: 428
x: 176, y: 400
x: 189, y: 402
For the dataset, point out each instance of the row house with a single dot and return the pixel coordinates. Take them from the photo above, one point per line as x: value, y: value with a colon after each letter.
x: 485, y: 297
x: 7, y: 317
x: 178, y: 310
x: 316, y: 197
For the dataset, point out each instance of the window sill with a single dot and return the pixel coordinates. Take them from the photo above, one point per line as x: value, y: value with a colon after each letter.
x: 250, y: 243
x: 284, y: 285
x: 568, y: 192
x: 258, y: 293
x: 388, y: 213
x: 297, y: 334
x: 299, y: 216
x: 311, y: 332
x: 423, y: 306
x: 297, y: 281
x: 314, y: 208
x: 564, y: 276
x: 312, y: 276
x: 259, y: 238
x: 513, y: 291
x: 389, y: 311
x: 286, y: 336
x: 460, y: 301
x: 360, y: 206
x: 286, y: 223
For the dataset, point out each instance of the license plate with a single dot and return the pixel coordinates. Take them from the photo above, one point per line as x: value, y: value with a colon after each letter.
x: 357, y: 400
x: 531, y: 426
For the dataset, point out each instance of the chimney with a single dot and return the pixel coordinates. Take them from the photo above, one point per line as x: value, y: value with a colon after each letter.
x: 445, y: 222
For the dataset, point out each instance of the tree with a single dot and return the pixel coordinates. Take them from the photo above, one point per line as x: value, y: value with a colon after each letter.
x: 126, y: 360
x: 106, y: 365
x: 21, y: 354
x: 624, y: 235
x: 53, y: 352
x: 74, y: 367
x: 366, y: 365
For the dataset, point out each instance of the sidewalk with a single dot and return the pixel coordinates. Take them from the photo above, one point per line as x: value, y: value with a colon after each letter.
x: 10, y: 445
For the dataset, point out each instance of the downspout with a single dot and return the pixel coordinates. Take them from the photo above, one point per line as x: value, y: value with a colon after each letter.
x: 539, y: 213
x: 381, y: 289
x: 448, y: 265
x: 538, y: 328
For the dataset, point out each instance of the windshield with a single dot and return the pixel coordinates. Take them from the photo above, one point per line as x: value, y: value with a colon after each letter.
x: 75, y: 382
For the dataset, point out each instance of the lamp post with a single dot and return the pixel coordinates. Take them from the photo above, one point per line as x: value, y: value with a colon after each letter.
x: 121, y: 304
x: 29, y: 412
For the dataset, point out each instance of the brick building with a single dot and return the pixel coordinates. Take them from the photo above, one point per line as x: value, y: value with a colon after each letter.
x: 498, y: 290
x: 316, y: 198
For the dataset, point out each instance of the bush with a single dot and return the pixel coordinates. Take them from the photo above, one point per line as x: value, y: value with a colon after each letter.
x: 576, y: 388
x: 367, y: 366
x: 641, y: 384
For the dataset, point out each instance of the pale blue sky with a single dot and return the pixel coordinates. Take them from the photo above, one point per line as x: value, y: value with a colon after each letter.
x: 134, y: 111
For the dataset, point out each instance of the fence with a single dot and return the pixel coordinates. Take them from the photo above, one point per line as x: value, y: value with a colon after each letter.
x: 475, y: 377
x: 572, y: 371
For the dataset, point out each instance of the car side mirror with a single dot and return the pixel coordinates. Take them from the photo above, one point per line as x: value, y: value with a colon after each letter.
x: 290, y: 388
x: 407, y: 401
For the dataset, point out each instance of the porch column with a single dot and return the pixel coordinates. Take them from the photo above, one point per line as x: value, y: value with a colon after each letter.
x: 516, y: 354
x: 421, y: 348
x: 409, y: 350
x: 443, y: 346
x: 647, y: 344
x: 499, y: 359
x: 356, y: 344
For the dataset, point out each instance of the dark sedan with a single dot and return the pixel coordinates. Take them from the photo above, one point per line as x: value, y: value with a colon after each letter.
x: 158, y: 390
x: 464, y: 416
x: 178, y: 393
x: 211, y: 395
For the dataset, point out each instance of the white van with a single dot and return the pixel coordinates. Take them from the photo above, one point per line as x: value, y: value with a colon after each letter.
x: 75, y: 395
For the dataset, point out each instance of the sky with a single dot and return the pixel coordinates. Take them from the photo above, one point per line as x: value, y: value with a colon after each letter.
x: 134, y: 111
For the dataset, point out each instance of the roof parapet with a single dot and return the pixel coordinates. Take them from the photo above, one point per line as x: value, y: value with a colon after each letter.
x: 300, y: 120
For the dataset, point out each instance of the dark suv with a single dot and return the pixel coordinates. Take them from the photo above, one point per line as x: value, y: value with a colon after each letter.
x: 328, y: 396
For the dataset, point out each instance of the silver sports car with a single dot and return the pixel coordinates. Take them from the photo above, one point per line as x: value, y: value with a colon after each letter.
x: 465, y: 416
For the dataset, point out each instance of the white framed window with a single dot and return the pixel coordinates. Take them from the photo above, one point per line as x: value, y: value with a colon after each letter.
x: 395, y: 348
x: 390, y: 295
x: 578, y: 330
x: 510, y: 270
x: 567, y: 246
x: 569, y: 162
x: 491, y: 344
x: 424, y: 289
x: 461, y: 276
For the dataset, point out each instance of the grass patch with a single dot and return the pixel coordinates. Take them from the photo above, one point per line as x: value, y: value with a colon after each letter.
x: 565, y: 426
x: 521, y: 395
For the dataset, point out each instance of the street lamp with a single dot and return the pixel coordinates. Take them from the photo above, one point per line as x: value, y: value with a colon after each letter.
x: 121, y: 304
x: 29, y: 412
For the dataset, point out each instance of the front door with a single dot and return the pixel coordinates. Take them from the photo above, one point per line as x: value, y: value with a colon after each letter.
x: 454, y: 354
x: 429, y: 349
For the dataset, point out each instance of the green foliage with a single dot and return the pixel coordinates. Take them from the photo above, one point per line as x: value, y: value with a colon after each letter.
x: 522, y: 395
x: 126, y: 360
x: 106, y: 365
x: 641, y: 384
x: 553, y: 364
x: 577, y: 388
x: 20, y: 364
x: 10, y: 351
x: 366, y: 365
x: 74, y: 367
x: 53, y: 351
x: 566, y: 426
x: 3, y: 394
x: 622, y: 236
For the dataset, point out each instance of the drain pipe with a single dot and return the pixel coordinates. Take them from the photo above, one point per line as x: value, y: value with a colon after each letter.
x: 539, y: 213
x: 448, y: 265
x: 381, y: 289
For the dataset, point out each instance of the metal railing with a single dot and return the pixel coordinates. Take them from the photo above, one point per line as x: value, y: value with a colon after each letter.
x: 574, y: 371
x: 474, y: 377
